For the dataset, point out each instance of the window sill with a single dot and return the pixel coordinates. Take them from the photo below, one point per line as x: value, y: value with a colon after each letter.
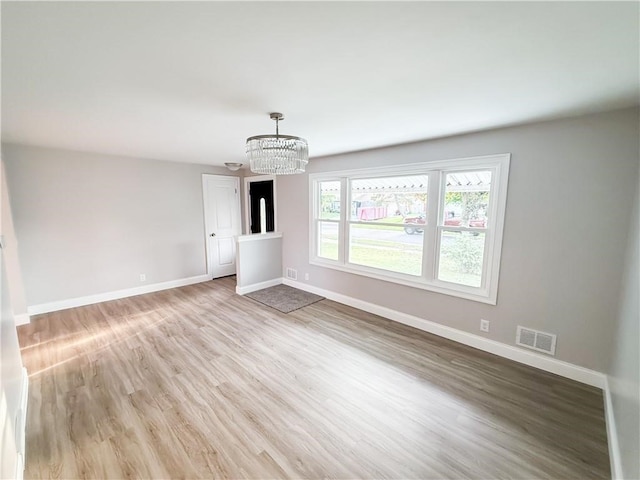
x: 439, y: 287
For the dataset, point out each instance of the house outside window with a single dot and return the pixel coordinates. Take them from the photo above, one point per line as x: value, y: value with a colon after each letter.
x: 436, y: 226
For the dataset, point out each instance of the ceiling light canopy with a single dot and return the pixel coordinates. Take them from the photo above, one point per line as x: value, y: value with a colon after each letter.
x: 277, y: 154
x: 233, y: 166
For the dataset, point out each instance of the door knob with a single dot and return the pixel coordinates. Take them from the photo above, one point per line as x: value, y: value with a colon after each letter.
x: 212, y: 235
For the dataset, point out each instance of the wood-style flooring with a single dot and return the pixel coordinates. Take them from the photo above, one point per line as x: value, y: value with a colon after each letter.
x: 198, y: 382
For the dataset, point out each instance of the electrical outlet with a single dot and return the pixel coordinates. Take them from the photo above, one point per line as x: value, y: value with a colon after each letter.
x: 143, y: 277
x: 306, y: 276
x: 484, y: 325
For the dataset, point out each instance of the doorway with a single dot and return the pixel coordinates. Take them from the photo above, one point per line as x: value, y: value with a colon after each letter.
x: 260, y: 204
x: 222, y: 223
x: 261, y: 212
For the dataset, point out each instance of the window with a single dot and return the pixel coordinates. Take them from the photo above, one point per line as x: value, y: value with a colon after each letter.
x: 463, y: 226
x: 436, y: 226
x: 328, y: 219
x: 378, y: 209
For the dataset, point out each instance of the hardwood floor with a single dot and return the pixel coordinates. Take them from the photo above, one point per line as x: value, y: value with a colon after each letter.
x: 198, y: 382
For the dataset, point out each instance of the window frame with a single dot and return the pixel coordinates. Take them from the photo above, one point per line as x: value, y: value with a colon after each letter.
x: 487, y: 230
x: 349, y: 222
x: 498, y: 164
x: 315, y: 219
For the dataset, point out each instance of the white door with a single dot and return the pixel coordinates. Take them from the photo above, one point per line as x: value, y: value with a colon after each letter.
x: 222, y: 223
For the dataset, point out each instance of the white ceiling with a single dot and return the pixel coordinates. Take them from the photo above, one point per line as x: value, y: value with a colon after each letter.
x: 189, y: 81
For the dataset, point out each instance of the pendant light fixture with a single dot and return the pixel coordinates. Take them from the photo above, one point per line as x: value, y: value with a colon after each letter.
x: 277, y: 154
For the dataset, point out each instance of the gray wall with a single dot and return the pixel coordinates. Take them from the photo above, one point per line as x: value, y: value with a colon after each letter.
x: 624, y: 371
x: 259, y: 259
x: 11, y: 387
x: 10, y: 254
x: 90, y: 223
x: 571, y: 186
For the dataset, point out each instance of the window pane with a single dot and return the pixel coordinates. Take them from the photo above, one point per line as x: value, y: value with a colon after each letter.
x: 461, y: 256
x: 466, y: 199
x: 389, y: 199
x: 329, y: 200
x: 385, y: 247
x: 328, y: 240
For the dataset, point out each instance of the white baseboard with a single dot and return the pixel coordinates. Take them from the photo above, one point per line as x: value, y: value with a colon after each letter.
x: 258, y: 286
x: 105, y: 297
x: 21, y: 319
x: 612, y: 434
x: 22, y: 418
x: 564, y: 369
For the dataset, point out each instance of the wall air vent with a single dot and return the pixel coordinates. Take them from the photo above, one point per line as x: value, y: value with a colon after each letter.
x: 292, y: 274
x: 536, y: 340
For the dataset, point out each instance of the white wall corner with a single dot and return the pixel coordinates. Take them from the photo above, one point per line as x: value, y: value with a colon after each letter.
x: 21, y: 319
x: 612, y: 433
x: 258, y: 286
x: 533, y: 359
x: 105, y: 297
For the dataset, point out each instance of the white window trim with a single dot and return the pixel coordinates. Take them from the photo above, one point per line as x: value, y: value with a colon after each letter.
x: 488, y: 291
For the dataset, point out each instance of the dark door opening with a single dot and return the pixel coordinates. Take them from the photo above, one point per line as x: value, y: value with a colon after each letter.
x: 258, y: 191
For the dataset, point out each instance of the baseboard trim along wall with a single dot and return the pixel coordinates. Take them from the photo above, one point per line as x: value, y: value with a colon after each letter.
x: 564, y: 369
x: 258, y: 286
x: 21, y: 425
x: 612, y: 434
x: 105, y: 297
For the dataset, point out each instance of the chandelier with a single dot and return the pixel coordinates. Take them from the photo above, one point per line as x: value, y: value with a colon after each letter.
x: 277, y: 154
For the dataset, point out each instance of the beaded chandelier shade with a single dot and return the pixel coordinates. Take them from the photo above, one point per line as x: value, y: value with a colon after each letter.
x: 277, y: 154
